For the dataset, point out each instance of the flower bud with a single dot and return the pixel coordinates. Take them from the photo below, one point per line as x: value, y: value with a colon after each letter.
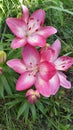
x: 0, y: 70
x: 2, y: 56
x: 32, y: 96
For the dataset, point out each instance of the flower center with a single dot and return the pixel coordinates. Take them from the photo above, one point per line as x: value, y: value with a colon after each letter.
x: 33, y: 69
x: 32, y: 26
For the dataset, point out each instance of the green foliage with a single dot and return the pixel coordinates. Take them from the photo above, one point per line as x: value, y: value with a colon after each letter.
x: 54, y: 113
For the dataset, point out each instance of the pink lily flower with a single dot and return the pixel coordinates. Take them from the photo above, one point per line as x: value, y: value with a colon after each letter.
x: 61, y: 63
x: 30, y: 29
x: 32, y: 96
x: 33, y: 71
x: 0, y: 70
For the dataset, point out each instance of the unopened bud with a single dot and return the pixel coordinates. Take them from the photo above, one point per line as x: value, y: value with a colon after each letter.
x: 2, y: 56
x: 0, y: 70
x: 47, y: 44
x: 32, y: 96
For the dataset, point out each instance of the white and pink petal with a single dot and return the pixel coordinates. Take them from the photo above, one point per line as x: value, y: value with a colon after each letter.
x: 47, y: 70
x: 30, y: 55
x: 25, y: 15
x: 39, y: 16
x: 47, y: 31
x: 17, y: 26
x: 18, y: 42
x: 56, y: 46
x: 42, y: 86
x: 17, y: 65
x: 63, y: 80
x: 25, y: 81
x: 36, y: 40
x: 63, y: 63
x: 47, y: 54
x: 54, y: 84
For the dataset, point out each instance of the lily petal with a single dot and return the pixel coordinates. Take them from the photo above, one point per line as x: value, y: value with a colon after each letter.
x: 57, y: 47
x: 25, y: 81
x: 42, y: 86
x: 47, y: 54
x: 25, y: 14
x: 47, y: 31
x: 17, y: 26
x: 39, y: 16
x: 63, y: 81
x: 17, y: 42
x: 47, y: 70
x: 30, y: 55
x: 63, y: 63
x: 17, y: 65
x: 36, y: 40
x: 54, y: 84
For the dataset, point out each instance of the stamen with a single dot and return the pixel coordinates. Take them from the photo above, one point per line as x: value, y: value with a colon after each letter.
x: 26, y: 68
x: 36, y: 30
x: 29, y: 74
x: 36, y: 64
x: 30, y: 28
x: 63, y: 66
x: 37, y: 20
x: 30, y: 63
x: 31, y: 18
x: 41, y: 24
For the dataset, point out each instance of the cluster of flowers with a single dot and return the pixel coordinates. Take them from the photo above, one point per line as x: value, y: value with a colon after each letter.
x: 41, y: 68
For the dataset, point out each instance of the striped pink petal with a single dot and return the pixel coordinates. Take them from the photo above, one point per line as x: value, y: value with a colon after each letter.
x: 54, y: 84
x: 47, y: 70
x: 56, y: 47
x: 39, y: 16
x: 47, y: 31
x: 17, y: 65
x: 17, y: 26
x: 30, y: 55
x: 63, y: 63
x: 18, y: 42
x: 25, y: 14
x: 42, y: 86
x: 25, y: 81
x: 47, y: 54
x: 36, y: 40
x: 63, y: 81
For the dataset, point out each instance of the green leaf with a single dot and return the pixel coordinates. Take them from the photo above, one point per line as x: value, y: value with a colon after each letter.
x: 13, y: 103
x: 26, y: 113
x: 40, y: 106
x: 22, y: 109
x: 33, y: 110
x: 6, y: 85
x: 1, y: 90
x: 59, y: 9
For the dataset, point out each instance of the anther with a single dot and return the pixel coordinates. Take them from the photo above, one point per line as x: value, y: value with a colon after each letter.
x: 36, y: 30
x: 30, y: 28
x: 30, y: 63
x: 41, y: 24
x: 31, y: 18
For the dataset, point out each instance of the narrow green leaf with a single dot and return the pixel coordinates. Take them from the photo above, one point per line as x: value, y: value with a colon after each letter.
x: 22, y: 109
x: 13, y: 103
x: 6, y: 85
x: 26, y: 113
x: 33, y: 110
x: 1, y: 90
x: 40, y: 106
x: 60, y: 9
